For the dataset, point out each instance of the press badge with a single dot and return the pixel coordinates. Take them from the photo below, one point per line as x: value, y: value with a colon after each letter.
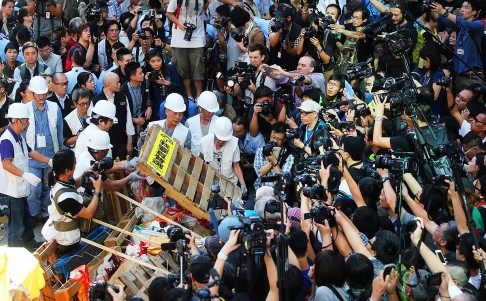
x: 41, y: 141
x: 48, y: 15
x: 279, y: 54
x: 460, y: 51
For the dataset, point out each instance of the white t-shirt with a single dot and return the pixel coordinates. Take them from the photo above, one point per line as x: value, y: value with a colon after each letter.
x: 188, y: 14
x: 466, y: 128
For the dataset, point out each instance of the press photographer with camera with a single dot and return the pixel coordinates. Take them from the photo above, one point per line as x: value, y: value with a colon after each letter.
x: 284, y: 36
x: 111, y: 28
x: 303, y: 137
x: 75, y: 122
x: 300, y: 80
x: 275, y: 156
x: 250, y: 32
x: 468, y: 44
x: 142, y: 40
x: 188, y: 41
x: 47, y: 16
x: 265, y: 112
x: 67, y: 206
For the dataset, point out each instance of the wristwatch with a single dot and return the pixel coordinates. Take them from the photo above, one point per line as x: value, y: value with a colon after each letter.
x: 384, y: 179
x: 446, y: 13
x: 222, y: 256
x: 97, y: 194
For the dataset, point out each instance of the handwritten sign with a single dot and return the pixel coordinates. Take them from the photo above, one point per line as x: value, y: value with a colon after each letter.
x: 161, y: 153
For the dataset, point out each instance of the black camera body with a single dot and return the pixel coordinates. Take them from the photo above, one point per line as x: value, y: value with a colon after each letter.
x: 299, y: 80
x: 242, y: 69
x: 346, y: 126
x: 444, y: 81
x: 409, y: 227
x: 396, y: 165
x: 222, y: 23
x: 268, y: 148
x: 358, y: 71
x: 252, y: 235
x: 310, y: 32
x: 279, y: 24
x: 320, y: 213
x: 292, y: 134
x: 86, y: 182
x: 153, y: 76
x: 103, y: 164
x: 98, y: 291
x: 217, y: 202
x: 305, y: 179
x: 189, y: 31
x: 142, y: 35
x: 440, y: 180
x: 266, y: 108
x: 325, y: 21
x: 315, y: 192
x: 328, y: 158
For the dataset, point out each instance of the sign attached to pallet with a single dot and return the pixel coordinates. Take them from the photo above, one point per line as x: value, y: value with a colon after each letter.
x: 161, y: 153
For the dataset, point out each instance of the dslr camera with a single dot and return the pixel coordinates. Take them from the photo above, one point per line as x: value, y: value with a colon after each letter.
x: 328, y: 158
x: 292, y: 134
x: 325, y: 21
x: 444, y: 81
x: 279, y: 24
x: 86, y: 182
x: 315, y: 192
x: 142, y: 35
x: 268, y: 148
x: 222, y: 23
x: 266, y: 108
x: 252, y: 235
x: 189, y: 31
x: 102, y: 165
x: 153, y: 76
x: 98, y: 291
x: 320, y: 213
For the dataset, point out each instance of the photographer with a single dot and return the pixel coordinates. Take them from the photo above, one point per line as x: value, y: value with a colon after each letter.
x: 284, y: 37
x: 251, y: 33
x: 47, y: 16
x: 111, y: 28
x: 470, y: 32
x: 300, y: 80
x: 265, y: 112
x: 259, y: 78
x: 276, y: 156
x: 75, y: 122
x: 67, y: 206
x: 188, y: 41
x: 143, y: 41
x: 309, y: 116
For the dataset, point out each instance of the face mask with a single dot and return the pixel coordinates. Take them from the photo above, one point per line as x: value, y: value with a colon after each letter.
x: 219, y: 112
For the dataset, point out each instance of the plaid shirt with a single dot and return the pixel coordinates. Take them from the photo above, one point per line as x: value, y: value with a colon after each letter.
x: 260, y: 160
x: 114, y: 9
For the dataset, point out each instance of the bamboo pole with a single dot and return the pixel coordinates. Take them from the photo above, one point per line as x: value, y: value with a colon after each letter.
x: 117, y: 253
x: 125, y: 232
x: 145, y: 208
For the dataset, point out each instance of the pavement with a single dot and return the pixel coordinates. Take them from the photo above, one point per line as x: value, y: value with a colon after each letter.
x: 4, y: 234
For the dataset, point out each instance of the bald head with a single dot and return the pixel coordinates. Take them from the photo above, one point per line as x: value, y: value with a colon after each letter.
x: 112, y: 82
x: 58, y: 76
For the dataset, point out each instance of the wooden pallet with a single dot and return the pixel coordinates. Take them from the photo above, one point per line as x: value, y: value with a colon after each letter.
x: 186, y: 178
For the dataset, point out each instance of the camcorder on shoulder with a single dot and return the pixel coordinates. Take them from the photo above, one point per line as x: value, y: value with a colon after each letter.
x: 252, y: 235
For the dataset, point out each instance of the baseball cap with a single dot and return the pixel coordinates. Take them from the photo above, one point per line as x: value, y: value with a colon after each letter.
x: 284, y: 10
x: 199, y: 268
x: 213, y: 244
x: 309, y: 106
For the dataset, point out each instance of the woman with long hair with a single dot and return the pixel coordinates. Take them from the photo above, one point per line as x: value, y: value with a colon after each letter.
x: 23, y: 94
x: 86, y: 81
x: 66, y: 204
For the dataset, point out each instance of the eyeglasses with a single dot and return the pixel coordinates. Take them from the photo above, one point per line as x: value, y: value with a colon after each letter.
x: 238, y: 132
x: 355, y: 18
x: 461, y: 98
x: 45, y: 50
x: 83, y: 104
x: 113, y: 30
x: 475, y: 119
x: 61, y: 84
x: 277, y: 138
x: 333, y: 84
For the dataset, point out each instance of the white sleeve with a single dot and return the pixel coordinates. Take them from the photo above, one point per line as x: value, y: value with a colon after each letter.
x: 465, y: 128
x: 129, y: 125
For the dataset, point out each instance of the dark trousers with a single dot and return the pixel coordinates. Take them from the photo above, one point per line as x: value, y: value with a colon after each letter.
x: 20, y: 226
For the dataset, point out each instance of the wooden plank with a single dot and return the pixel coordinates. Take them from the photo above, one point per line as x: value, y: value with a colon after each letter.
x: 181, y: 173
x: 196, y: 171
x: 191, y: 189
x: 175, y: 194
x: 203, y: 202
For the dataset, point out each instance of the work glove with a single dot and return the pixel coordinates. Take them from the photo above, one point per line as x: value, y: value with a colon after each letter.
x: 134, y: 176
x: 130, y: 165
x: 31, y: 178
x: 50, y: 163
x: 244, y: 190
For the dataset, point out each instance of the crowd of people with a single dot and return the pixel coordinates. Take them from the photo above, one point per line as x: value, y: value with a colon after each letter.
x: 357, y: 127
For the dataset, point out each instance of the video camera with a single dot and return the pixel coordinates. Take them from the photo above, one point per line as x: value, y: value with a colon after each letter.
x: 358, y: 71
x: 375, y: 28
x: 315, y: 192
x: 92, y: 11
x: 252, y: 235
x: 396, y: 165
x: 401, y: 93
x: 396, y: 43
x: 98, y: 291
x: 241, y: 69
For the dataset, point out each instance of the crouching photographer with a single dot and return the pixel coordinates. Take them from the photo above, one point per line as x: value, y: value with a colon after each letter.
x: 274, y: 156
x: 68, y: 207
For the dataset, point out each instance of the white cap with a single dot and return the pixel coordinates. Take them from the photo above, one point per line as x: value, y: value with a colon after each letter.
x: 99, y: 141
x: 175, y: 103
x: 223, y: 128
x: 38, y: 85
x: 18, y: 110
x: 309, y: 106
x: 208, y: 101
x: 106, y: 109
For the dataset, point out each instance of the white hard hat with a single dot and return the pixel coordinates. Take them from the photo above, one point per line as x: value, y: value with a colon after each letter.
x: 38, y: 85
x: 18, y: 110
x: 99, y: 141
x: 223, y: 128
x: 175, y: 103
x: 208, y: 101
x: 105, y: 108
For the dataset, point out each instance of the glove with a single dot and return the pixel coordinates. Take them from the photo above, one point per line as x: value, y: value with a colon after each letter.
x: 244, y: 190
x: 50, y: 163
x: 134, y: 176
x: 130, y: 165
x: 31, y: 178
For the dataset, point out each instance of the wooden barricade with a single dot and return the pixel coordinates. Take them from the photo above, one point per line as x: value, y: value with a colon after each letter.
x: 185, y: 177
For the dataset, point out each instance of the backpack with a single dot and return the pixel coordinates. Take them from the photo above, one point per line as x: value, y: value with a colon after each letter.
x: 70, y: 10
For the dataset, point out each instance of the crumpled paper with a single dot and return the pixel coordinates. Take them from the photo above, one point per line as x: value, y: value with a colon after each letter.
x: 107, y: 268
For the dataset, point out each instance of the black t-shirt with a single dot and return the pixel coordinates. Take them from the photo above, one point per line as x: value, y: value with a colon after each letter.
x: 280, y: 56
x: 70, y: 206
x: 364, y: 48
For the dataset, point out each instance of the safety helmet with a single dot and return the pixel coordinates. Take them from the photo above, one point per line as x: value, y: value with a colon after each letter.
x: 223, y: 128
x: 208, y: 101
x: 18, y: 110
x: 38, y: 85
x: 106, y: 109
x: 175, y: 103
x: 99, y: 141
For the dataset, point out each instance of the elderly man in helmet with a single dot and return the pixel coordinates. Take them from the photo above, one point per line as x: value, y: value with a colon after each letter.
x: 220, y: 150
x: 15, y: 177
x: 172, y: 126
x: 203, y: 123
x: 45, y: 135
